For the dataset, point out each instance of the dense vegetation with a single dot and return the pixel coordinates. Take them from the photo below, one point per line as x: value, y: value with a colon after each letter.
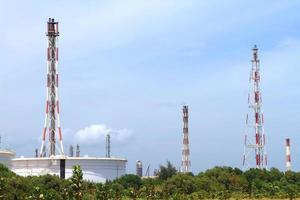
x: 216, y: 183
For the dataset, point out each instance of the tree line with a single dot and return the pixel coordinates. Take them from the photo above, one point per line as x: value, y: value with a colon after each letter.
x: 215, y: 183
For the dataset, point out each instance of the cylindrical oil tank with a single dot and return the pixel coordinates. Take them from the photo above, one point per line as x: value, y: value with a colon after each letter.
x: 6, y: 156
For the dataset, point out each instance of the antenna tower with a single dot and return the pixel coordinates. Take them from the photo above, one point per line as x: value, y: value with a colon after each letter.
x: 52, y: 126
x: 255, y: 120
x: 186, y: 163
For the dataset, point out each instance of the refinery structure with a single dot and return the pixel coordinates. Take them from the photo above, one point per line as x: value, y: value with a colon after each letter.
x: 51, y: 159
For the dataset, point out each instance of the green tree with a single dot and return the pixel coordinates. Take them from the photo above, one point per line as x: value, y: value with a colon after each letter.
x: 76, y: 183
x: 2, y: 189
x: 166, y: 172
x: 117, y: 190
x: 37, y: 194
x: 180, y: 184
x: 129, y: 181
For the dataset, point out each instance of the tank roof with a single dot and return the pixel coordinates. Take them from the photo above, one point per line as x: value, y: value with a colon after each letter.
x: 7, y: 152
x: 71, y: 158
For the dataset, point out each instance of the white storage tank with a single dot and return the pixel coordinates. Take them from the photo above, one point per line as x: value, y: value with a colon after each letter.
x: 6, y: 156
x: 139, y: 168
x: 94, y: 169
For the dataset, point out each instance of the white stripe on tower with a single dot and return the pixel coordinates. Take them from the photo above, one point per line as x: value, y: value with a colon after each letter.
x: 46, y: 108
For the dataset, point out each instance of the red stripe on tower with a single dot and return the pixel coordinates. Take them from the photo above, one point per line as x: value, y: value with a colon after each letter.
x: 256, y: 97
x: 256, y: 118
x: 44, y: 133
x: 56, y: 55
x: 59, y: 131
x: 47, y: 106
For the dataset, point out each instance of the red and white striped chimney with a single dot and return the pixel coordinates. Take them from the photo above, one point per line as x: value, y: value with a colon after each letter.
x: 288, y: 154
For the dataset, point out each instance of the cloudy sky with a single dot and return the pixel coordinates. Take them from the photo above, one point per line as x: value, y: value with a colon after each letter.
x: 127, y: 67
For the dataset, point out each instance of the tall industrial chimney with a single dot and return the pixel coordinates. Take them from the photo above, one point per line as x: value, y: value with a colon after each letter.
x: 71, y: 151
x: 186, y: 163
x: 36, y: 153
x: 288, y: 154
x: 52, y: 126
x: 77, y: 151
x: 107, y: 138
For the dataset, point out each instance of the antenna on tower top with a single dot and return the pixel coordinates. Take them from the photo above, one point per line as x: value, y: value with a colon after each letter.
x: 186, y: 163
x: 255, y: 119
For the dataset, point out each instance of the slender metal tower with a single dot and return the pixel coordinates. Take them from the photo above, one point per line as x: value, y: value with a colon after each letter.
x: 186, y: 163
x: 288, y: 154
x: 107, y: 145
x: 52, y: 126
x: 255, y: 120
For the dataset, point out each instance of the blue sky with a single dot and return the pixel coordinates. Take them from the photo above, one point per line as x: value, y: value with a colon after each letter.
x: 128, y: 66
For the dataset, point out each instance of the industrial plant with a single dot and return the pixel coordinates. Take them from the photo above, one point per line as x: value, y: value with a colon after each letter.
x: 51, y: 158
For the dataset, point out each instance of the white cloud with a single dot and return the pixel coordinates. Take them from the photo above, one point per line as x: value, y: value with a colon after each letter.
x: 96, y: 133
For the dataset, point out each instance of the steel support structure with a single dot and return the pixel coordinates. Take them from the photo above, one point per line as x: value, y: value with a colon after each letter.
x: 255, y: 120
x: 52, y: 126
x: 186, y: 163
